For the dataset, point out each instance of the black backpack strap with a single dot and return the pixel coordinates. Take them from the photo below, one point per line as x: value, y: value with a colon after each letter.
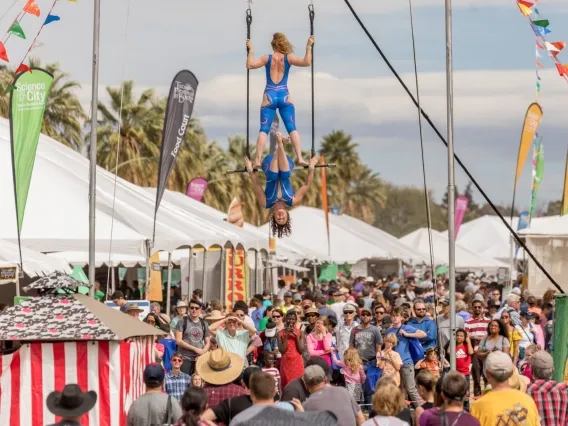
x: 203, y: 326
x: 185, y: 322
x: 169, y: 412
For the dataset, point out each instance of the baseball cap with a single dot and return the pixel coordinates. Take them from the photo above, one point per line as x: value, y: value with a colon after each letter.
x: 287, y: 294
x: 349, y: 307
x: 154, y: 375
x: 478, y: 298
x: 297, y: 296
x: 542, y: 360
x: 270, y: 330
x: 266, y: 293
x: 313, y: 372
x: 499, y: 362
x: 365, y: 310
x: 443, y: 301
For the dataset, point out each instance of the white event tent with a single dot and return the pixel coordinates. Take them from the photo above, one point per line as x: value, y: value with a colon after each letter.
x: 465, y: 259
x: 56, y: 216
x: 351, y: 240
x: 548, y: 241
x: 488, y: 235
x: 34, y: 263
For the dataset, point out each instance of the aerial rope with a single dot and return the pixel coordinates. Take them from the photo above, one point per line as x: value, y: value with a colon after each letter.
x: 118, y: 146
x: 426, y: 195
x: 249, y: 23
x: 441, y: 137
x: 312, y: 17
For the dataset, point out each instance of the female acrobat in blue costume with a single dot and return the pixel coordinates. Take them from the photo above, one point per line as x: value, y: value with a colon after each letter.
x: 279, y: 194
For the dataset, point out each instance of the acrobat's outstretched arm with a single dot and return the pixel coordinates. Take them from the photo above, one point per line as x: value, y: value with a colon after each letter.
x: 257, y: 188
x: 306, y: 187
x: 306, y: 61
x: 252, y: 63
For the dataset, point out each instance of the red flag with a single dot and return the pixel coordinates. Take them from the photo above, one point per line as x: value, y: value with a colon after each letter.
x: 32, y: 8
x: 525, y: 3
x: 3, y: 53
x: 559, y: 45
x: 561, y: 69
x: 539, y: 45
x: 324, y: 203
x: 23, y: 68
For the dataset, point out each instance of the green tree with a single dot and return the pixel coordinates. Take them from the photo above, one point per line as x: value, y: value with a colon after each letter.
x: 404, y: 211
x: 553, y: 208
x: 139, y: 137
x: 64, y: 115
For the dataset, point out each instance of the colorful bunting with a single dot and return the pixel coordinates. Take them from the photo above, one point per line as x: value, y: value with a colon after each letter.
x: 16, y: 29
x: 526, y: 4
x: 10, y: 88
x: 32, y: 8
x: 23, y: 68
x: 51, y: 18
x: 3, y: 53
x: 524, y: 9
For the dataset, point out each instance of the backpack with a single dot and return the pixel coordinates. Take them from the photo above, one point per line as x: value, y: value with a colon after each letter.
x: 414, y: 347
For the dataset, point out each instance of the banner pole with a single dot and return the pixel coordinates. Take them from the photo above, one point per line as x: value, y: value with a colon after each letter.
x: 93, y: 145
x: 451, y: 183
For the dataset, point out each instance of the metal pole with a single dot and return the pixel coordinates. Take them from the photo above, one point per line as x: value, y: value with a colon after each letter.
x: 204, y: 276
x: 451, y: 183
x: 169, y: 285
x: 93, y: 146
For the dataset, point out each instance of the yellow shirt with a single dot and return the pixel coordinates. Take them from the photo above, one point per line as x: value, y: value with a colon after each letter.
x: 506, y: 408
x: 515, y: 336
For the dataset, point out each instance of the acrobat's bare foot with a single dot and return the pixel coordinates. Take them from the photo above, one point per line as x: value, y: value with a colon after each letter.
x: 302, y: 162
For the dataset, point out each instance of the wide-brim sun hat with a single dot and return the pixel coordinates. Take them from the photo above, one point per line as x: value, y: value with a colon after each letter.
x: 215, y: 315
x: 219, y: 367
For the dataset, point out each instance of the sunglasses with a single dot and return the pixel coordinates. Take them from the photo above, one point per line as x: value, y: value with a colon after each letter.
x: 177, y: 360
x: 276, y: 316
x: 348, y: 313
x: 505, y: 317
x: 419, y: 309
x: 380, y: 313
x: 311, y: 316
x: 194, y: 308
x: 366, y: 314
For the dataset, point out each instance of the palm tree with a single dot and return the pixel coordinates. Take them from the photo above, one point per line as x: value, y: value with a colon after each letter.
x: 64, y: 115
x: 363, y: 194
x: 139, y: 137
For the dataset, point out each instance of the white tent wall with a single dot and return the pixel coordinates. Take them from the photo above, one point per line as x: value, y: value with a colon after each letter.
x: 552, y: 253
x: 59, y: 189
x: 35, y: 263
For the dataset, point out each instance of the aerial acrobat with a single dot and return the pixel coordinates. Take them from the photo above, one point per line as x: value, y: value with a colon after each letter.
x: 276, y: 94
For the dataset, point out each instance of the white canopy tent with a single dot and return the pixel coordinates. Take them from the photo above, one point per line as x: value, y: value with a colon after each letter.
x: 465, y: 259
x: 308, y: 229
x: 488, y: 235
x: 58, y: 207
x: 284, y: 248
x: 548, y: 241
x: 34, y: 263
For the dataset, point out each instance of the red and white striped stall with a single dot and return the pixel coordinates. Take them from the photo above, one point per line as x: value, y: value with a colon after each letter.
x: 72, y: 339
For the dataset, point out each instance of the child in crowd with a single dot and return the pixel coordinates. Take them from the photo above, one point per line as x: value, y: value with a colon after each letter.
x: 197, y: 381
x: 269, y: 361
x: 352, y: 371
x: 431, y: 362
x: 524, y: 365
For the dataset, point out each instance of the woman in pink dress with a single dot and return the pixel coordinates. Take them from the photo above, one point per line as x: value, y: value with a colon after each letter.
x: 319, y: 340
x: 291, y: 343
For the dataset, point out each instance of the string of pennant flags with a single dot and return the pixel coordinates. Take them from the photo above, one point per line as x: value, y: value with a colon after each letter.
x: 540, y: 27
x: 31, y: 8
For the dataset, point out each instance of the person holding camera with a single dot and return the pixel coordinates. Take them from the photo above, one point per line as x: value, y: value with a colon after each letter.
x: 291, y: 343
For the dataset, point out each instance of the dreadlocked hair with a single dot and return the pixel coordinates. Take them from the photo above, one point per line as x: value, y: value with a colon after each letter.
x: 280, y: 230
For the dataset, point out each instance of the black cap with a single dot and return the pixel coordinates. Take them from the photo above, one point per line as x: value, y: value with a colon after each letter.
x: 266, y: 293
x: 154, y: 375
x: 117, y: 295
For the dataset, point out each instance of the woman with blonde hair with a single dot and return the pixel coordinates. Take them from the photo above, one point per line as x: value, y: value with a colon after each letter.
x: 387, y: 403
x: 276, y: 94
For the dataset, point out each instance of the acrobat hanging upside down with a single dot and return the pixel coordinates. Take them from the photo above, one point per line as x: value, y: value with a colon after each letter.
x: 276, y: 94
x: 279, y: 194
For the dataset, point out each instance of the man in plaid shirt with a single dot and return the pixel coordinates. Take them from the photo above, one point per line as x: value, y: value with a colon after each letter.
x: 551, y: 397
x: 176, y: 381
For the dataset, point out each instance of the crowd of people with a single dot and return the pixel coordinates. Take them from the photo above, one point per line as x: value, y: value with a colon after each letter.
x: 355, y: 351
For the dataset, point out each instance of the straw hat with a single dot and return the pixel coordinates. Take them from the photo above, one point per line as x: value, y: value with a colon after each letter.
x: 133, y: 307
x: 518, y: 382
x: 215, y: 315
x: 219, y: 367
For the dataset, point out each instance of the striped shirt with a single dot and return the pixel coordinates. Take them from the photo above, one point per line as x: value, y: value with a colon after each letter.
x: 276, y: 374
x: 477, y: 329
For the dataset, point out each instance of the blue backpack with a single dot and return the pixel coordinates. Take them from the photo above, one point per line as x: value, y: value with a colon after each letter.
x: 414, y: 347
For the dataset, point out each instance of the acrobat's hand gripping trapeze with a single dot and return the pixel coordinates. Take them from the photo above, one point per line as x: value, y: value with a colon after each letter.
x: 269, y: 115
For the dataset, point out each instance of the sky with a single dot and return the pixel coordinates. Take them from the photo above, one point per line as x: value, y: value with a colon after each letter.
x: 494, y: 75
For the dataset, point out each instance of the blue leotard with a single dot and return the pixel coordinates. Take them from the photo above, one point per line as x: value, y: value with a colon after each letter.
x: 273, y: 180
x: 277, y: 95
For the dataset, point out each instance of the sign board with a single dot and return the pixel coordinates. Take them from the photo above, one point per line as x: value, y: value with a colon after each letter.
x: 8, y: 274
x: 142, y: 304
x: 235, y: 290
